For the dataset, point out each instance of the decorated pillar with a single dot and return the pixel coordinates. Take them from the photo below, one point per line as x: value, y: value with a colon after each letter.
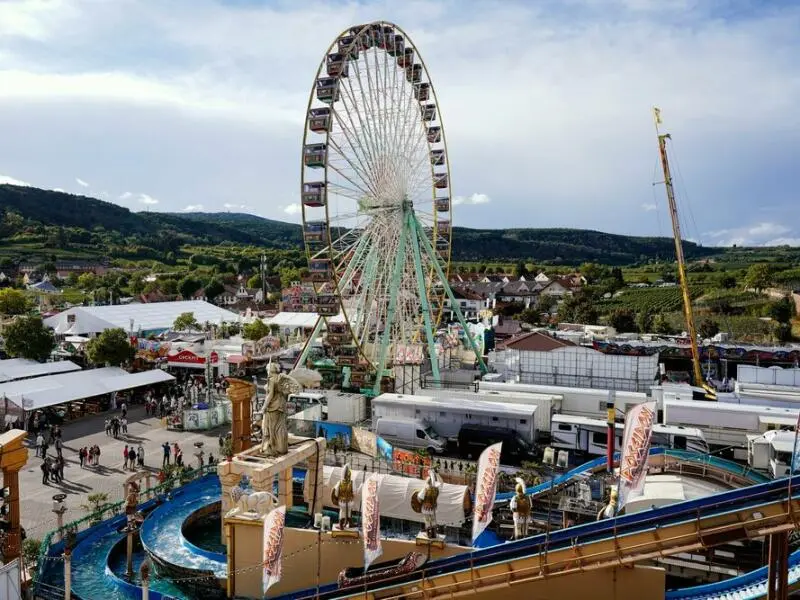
x: 240, y: 393
x: 228, y: 480
x: 285, y: 488
x: 13, y: 456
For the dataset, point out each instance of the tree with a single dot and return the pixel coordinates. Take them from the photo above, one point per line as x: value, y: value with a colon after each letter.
x: 214, y: 288
x: 592, y: 271
x: 185, y: 322
x: 254, y: 281
x: 28, y: 337
x: 661, y: 325
x: 781, y: 310
x: 168, y: 286
x: 87, y: 281
x: 12, y: 302
x: 759, y: 277
x: 708, y: 328
x: 255, y: 330
x: 188, y: 286
x: 623, y: 320
x: 644, y: 321
x: 112, y: 347
x: 579, y: 308
x: 520, y: 269
x: 727, y: 282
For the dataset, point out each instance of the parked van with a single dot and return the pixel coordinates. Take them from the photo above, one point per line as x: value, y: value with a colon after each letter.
x: 474, y: 439
x: 412, y: 434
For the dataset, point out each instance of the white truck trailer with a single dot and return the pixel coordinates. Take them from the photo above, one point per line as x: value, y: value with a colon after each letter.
x: 771, y: 452
x: 581, y: 402
x: 727, y: 425
x: 447, y: 416
x: 546, y: 404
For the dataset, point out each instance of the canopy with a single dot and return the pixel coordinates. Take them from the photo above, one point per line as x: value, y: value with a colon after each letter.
x: 33, y: 394
x: 21, y: 368
x: 395, y: 496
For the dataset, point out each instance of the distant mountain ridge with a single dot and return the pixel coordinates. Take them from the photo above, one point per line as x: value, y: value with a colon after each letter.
x: 568, y: 246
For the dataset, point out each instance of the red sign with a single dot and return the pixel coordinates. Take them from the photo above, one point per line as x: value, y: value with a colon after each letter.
x: 214, y: 358
x: 186, y: 357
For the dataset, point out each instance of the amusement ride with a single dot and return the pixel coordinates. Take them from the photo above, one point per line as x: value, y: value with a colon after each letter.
x: 377, y: 206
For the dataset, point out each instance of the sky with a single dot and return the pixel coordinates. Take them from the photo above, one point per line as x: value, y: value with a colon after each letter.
x: 199, y: 105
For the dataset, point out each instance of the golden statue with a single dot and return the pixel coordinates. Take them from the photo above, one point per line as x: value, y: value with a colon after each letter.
x: 521, y: 510
x: 342, y: 496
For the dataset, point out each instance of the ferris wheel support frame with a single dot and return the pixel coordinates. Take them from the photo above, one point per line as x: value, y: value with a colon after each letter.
x: 449, y: 292
x: 424, y: 304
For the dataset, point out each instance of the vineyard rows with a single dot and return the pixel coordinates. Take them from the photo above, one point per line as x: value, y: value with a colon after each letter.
x: 655, y: 300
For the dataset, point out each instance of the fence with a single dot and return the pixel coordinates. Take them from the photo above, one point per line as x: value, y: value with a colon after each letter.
x: 111, y: 509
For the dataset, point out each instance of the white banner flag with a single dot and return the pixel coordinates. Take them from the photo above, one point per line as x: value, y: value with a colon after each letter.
x: 273, y: 547
x: 635, y: 450
x: 485, y: 488
x: 371, y: 519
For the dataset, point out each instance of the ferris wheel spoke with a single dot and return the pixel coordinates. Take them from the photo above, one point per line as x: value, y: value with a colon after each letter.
x: 349, y: 133
x: 352, y: 108
x: 354, y: 161
x: 366, y: 123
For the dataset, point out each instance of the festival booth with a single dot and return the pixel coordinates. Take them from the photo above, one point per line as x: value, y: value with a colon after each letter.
x: 200, y: 419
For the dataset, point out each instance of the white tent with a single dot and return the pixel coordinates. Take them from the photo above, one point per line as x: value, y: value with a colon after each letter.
x: 21, y: 368
x: 395, y: 496
x: 294, y: 320
x: 32, y: 394
x: 81, y: 320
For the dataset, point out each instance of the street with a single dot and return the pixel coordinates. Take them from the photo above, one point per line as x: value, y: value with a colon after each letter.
x: 36, y: 499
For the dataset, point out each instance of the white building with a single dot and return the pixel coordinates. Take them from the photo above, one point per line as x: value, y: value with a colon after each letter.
x: 136, y: 318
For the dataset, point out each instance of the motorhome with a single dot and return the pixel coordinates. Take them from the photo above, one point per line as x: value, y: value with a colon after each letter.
x: 546, y: 404
x: 447, y: 416
x: 771, y: 452
x: 727, y: 425
x: 581, y: 402
x: 591, y: 436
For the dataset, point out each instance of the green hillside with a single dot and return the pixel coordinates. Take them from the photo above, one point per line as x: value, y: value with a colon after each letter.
x: 41, y: 223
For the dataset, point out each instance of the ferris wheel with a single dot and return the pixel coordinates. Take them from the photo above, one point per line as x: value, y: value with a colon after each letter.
x: 376, y: 203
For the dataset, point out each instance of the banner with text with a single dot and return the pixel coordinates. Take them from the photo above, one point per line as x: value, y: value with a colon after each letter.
x: 371, y: 519
x: 273, y: 547
x: 635, y: 450
x: 485, y: 488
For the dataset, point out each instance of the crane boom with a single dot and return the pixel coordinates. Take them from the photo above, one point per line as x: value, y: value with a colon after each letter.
x: 688, y: 315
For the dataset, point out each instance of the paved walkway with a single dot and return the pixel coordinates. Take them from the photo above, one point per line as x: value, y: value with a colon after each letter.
x: 37, y: 499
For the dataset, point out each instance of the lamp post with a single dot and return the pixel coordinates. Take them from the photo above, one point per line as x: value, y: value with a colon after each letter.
x: 611, y: 429
x: 199, y: 454
x: 59, y: 508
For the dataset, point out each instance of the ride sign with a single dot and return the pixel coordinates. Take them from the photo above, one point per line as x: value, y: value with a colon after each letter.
x: 635, y: 450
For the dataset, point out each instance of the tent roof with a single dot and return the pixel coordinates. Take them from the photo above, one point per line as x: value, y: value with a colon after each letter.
x: 80, y: 320
x: 298, y: 319
x: 32, y: 394
x: 20, y: 368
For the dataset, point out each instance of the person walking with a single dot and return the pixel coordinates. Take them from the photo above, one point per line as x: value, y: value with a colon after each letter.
x: 124, y: 424
x: 96, y: 455
x: 165, y: 458
x: 45, y: 467
x: 44, y: 448
x: 60, y: 468
x: 125, y: 456
x: 132, y: 458
x: 39, y: 444
x: 140, y: 455
x: 124, y: 409
x: 108, y: 427
x: 59, y: 447
x: 81, y: 456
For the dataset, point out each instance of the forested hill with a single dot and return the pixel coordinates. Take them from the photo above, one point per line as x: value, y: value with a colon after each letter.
x: 31, y: 213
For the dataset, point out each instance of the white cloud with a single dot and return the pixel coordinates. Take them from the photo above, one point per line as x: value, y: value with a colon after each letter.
x: 146, y: 199
x: 81, y: 182
x: 126, y: 196
x: 58, y: 190
x: 552, y: 129
x: 759, y: 234
x: 229, y: 206
x: 193, y: 208
x: 471, y: 199
x: 649, y: 207
x: 292, y: 209
x: 7, y: 180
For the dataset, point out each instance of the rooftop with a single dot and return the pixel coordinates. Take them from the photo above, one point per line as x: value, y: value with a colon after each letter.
x: 535, y: 341
x: 139, y: 317
x: 22, y: 368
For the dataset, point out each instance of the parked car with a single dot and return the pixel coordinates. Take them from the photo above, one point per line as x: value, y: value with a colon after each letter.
x: 410, y: 433
x: 474, y: 439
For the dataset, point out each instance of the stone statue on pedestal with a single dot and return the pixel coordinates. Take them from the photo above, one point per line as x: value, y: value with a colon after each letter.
x: 426, y: 500
x: 275, y: 441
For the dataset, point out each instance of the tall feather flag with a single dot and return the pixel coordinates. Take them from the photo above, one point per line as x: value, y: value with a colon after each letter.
x: 371, y: 519
x: 635, y: 450
x: 273, y: 547
x: 485, y: 488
